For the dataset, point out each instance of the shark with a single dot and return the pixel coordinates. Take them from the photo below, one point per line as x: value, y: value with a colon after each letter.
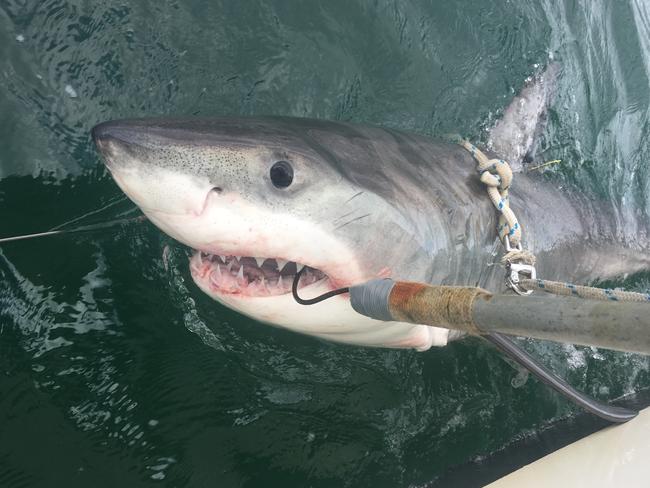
x: 260, y: 199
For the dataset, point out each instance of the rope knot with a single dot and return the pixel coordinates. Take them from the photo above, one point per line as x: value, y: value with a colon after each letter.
x: 495, y: 172
x: 496, y: 175
x: 519, y: 256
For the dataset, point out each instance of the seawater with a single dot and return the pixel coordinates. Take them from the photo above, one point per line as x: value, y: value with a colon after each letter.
x: 116, y: 371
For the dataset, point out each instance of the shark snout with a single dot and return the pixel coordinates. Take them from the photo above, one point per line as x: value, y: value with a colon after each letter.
x: 117, y: 139
x: 145, y: 166
x: 102, y: 133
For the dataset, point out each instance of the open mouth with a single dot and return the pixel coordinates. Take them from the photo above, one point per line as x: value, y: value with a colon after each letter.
x: 250, y: 276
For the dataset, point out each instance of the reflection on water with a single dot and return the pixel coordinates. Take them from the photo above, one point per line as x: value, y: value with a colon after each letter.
x: 116, y: 371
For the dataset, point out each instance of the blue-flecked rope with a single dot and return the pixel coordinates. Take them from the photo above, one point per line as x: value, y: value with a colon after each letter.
x: 496, y: 175
x: 589, y: 292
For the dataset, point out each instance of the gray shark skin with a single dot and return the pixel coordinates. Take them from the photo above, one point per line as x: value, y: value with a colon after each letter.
x: 364, y: 202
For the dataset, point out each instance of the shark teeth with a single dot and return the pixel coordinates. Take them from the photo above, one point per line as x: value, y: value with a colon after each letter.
x: 252, y: 276
x: 232, y: 261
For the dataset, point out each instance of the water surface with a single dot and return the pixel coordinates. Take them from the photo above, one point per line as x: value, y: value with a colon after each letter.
x: 116, y: 371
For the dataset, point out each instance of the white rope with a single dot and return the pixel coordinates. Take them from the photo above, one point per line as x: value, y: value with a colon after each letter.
x: 497, y: 176
x: 589, y: 292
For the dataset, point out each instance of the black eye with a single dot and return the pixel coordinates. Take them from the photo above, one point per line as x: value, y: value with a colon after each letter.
x: 281, y: 174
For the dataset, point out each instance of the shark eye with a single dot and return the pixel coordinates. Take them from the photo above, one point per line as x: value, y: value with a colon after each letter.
x: 281, y: 174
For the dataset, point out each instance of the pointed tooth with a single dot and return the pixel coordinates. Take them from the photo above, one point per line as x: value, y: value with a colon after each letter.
x: 259, y: 262
x: 240, y: 273
x: 299, y: 267
x: 215, y: 277
x: 223, y: 258
x: 280, y: 284
x: 281, y: 263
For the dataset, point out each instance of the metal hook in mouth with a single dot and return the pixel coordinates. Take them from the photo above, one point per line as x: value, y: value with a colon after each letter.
x: 312, y: 301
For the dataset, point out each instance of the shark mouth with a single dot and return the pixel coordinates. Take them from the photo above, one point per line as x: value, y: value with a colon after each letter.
x: 251, y: 276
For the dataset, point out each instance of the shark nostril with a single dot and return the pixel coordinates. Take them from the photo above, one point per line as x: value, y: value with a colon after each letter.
x: 206, y: 203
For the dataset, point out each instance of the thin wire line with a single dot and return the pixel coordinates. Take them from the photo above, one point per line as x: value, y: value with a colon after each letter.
x: 84, y: 228
x: 116, y: 200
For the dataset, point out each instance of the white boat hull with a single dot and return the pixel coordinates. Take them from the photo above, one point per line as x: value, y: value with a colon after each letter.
x: 618, y: 455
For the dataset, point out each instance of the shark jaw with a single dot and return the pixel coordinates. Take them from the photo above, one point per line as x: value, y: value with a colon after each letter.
x: 260, y: 288
x: 250, y: 270
x: 254, y: 277
x: 240, y: 283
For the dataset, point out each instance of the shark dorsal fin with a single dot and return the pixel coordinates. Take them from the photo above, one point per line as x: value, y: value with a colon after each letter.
x: 513, y: 137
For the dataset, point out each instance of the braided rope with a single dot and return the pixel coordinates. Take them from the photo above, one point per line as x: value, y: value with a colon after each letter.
x: 497, y: 176
x: 519, y: 256
x: 589, y: 292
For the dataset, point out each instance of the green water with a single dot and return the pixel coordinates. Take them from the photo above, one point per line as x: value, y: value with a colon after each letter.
x: 116, y: 371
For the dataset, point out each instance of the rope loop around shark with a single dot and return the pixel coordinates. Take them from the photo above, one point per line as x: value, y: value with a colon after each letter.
x: 497, y: 176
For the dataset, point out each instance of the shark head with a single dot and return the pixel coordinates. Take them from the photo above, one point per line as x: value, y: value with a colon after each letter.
x: 259, y: 199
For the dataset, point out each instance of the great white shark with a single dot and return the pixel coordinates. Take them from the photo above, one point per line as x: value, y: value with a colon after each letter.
x: 260, y: 198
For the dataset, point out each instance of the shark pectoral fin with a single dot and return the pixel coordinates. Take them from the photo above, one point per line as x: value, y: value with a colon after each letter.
x: 607, y: 412
x: 514, y: 135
